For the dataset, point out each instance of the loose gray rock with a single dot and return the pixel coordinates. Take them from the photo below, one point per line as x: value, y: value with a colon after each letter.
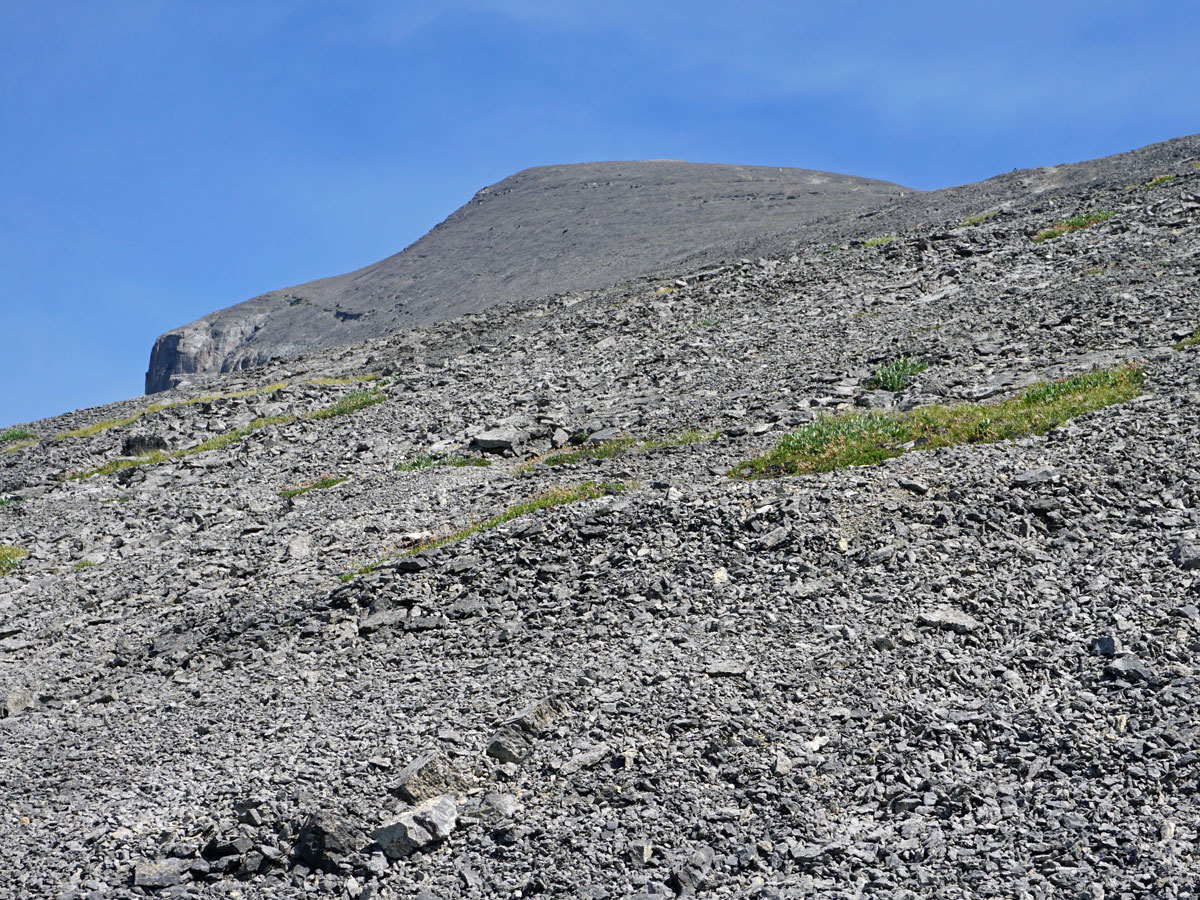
x: 162, y: 873
x: 947, y: 619
x: 419, y: 828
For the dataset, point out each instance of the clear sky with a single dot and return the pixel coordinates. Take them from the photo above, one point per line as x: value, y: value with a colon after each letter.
x: 160, y: 159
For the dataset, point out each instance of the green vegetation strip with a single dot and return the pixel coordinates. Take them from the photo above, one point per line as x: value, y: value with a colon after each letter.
x: 97, y: 427
x: 349, y: 379
x: 859, y: 439
x: 976, y: 220
x: 10, y: 501
x: 1157, y: 180
x: 16, y: 434
x: 878, y: 241
x: 348, y: 404
x: 319, y: 485
x: 896, y: 374
x: 352, y: 402
x: 588, y: 490
x: 1075, y: 223
x: 1191, y: 340
x: 9, y: 557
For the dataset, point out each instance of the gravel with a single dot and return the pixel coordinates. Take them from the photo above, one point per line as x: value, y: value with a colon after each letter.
x: 969, y: 672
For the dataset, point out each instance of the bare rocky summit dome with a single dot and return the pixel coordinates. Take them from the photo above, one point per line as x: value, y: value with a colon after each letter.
x: 542, y: 231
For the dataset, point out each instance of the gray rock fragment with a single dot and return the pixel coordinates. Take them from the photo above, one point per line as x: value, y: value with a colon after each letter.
x: 501, y: 438
x: 325, y: 840
x: 419, y: 828
x: 947, y: 619
x: 429, y: 775
x: 161, y: 873
x: 688, y: 878
x: 1186, y: 555
x: 510, y: 744
x: 1035, y: 476
x: 1129, y: 668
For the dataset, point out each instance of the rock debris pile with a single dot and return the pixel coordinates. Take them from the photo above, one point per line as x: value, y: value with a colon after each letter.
x: 963, y: 672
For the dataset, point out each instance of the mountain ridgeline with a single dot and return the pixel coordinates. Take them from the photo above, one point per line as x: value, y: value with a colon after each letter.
x: 542, y: 231
x: 855, y: 553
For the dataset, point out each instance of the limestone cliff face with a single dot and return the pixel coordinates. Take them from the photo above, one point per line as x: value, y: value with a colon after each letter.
x: 213, y: 344
x: 542, y: 231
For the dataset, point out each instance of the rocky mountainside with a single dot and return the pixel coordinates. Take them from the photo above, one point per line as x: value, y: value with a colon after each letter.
x: 479, y: 610
x: 540, y: 232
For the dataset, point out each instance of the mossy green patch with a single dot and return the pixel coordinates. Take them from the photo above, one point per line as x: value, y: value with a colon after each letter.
x: 560, y: 496
x: 866, y: 438
x: 97, y: 427
x: 1075, y: 223
x: 10, y: 557
x: 895, y: 374
x: 352, y: 402
x: 976, y: 220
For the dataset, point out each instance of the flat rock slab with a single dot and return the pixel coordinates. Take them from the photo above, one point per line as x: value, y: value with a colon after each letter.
x: 949, y: 619
x: 161, y: 873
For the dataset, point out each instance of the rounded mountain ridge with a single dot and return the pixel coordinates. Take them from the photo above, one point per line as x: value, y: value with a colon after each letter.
x: 544, y: 230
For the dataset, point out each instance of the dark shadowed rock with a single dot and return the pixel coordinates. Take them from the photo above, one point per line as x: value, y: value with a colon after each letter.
x: 325, y: 840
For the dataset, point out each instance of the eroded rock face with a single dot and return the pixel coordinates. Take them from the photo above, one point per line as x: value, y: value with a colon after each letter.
x: 973, y: 669
x: 213, y: 344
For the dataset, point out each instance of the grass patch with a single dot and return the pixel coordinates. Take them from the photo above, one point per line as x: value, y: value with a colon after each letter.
x: 16, y: 434
x: 1075, y: 223
x: 588, y: 490
x: 9, y: 557
x: 1192, y: 340
x: 83, y: 564
x: 879, y: 241
x: 982, y: 217
x: 97, y: 427
x: 429, y: 460
x: 349, y: 379
x: 352, y: 402
x: 318, y: 485
x: 10, y: 501
x: 893, y: 376
x: 1157, y: 180
x: 857, y: 439
x: 348, y: 404
x: 18, y: 445
x: 216, y: 442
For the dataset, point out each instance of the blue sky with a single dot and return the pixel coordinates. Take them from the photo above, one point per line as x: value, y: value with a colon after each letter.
x: 162, y: 159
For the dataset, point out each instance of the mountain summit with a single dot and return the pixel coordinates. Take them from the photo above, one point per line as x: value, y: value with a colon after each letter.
x: 542, y: 231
